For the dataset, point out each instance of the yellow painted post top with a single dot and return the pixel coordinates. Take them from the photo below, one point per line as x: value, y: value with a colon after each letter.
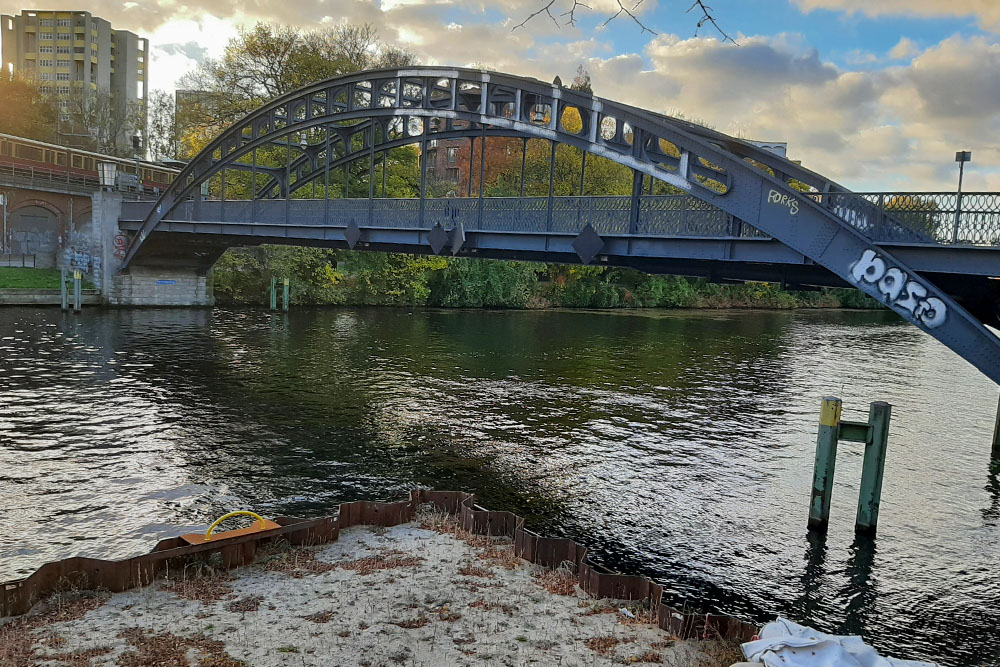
x: 286, y: 281
x: 829, y: 414
x: 77, y: 275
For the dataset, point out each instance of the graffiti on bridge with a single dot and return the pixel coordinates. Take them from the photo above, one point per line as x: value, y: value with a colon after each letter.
x: 121, y: 245
x: 872, y: 274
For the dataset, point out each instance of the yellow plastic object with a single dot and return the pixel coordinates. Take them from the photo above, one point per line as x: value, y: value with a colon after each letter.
x: 263, y: 523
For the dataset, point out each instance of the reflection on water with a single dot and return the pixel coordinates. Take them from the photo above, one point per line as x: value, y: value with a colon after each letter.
x: 677, y: 444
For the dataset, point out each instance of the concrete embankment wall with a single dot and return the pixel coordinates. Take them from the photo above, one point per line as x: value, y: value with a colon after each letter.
x: 143, y: 286
x: 43, y: 297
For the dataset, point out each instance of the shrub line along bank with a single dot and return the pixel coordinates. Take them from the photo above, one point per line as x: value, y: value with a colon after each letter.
x: 333, y: 277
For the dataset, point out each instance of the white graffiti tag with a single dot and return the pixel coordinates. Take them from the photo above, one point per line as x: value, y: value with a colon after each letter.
x: 775, y: 197
x: 897, y: 290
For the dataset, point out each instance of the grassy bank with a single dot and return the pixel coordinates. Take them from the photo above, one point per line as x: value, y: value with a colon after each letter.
x: 331, y: 277
x: 18, y: 278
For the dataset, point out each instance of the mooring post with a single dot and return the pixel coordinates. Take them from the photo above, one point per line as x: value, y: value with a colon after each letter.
x: 274, y: 293
x: 77, y: 294
x: 996, y: 436
x: 284, y: 296
x: 63, y: 291
x: 826, y: 461
x: 873, y: 468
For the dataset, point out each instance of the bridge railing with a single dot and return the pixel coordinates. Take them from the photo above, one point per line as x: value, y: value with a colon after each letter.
x: 30, y: 176
x: 905, y: 217
x: 659, y: 215
x: 921, y: 217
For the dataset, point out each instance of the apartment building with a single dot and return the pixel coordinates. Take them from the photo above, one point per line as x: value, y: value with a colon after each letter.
x: 74, y: 54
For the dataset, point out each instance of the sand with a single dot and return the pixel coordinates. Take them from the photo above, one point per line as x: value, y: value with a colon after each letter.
x: 408, y: 595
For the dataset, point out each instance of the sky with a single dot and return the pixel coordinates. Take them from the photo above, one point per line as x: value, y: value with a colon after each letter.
x: 875, y: 94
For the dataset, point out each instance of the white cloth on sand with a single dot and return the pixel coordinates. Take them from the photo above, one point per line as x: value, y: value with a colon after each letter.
x: 783, y: 643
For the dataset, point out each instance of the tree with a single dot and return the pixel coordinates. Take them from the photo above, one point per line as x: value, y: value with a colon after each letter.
x: 26, y: 111
x: 162, y: 137
x: 110, y: 123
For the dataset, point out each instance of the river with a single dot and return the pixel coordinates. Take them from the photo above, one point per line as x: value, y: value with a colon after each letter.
x: 677, y: 444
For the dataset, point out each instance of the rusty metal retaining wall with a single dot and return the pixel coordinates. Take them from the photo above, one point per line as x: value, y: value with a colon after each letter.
x: 19, y: 595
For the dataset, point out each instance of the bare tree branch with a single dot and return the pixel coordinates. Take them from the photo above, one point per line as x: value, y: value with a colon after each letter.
x: 545, y: 9
x: 622, y: 9
x: 708, y: 18
x: 627, y: 8
x: 571, y: 14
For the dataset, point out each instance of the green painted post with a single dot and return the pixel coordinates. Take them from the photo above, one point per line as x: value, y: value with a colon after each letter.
x: 873, y: 468
x: 826, y: 461
x: 77, y: 294
x: 996, y: 436
x: 284, y: 296
x: 63, y: 291
x: 274, y: 293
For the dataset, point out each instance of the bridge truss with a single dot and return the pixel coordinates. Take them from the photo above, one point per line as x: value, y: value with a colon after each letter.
x: 727, y: 188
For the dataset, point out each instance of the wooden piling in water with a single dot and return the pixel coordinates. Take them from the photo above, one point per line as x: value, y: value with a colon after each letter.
x: 826, y: 462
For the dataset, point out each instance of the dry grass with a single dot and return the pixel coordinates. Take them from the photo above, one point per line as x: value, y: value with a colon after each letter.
x: 320, y: 617
x: 206, y: 587
x: 18, y: 638
x: 558, y: 582
x: 409, y: 624
x: 297, y: 563
x: 165, y: 649
x: 647, y: 657
x: 386, y: 560
x: 492, y: 606
x: 602, y: 645
x: 476, y: 571
x: 249, y: 603
x: 719, y: 653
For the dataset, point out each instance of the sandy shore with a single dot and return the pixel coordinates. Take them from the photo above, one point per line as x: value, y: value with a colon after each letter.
x: 420, y: 594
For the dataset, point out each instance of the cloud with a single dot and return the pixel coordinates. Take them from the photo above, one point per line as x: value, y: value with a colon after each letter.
x: 906, y: 48
x: 892, y: 121
x: 986, y: 11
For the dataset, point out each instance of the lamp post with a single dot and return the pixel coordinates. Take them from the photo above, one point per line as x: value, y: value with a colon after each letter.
x: 961, y: 157
x: 108, y: 173
x: 6, y: 206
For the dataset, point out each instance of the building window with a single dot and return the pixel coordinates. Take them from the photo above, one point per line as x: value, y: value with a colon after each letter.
x: 63, y: 36
x: 46, y: 90
x: 453, y: 173
x: 452, y: 155
x: 63, y: 104
x: 93, y: 26
x: 62, y: 63
x: 45, y: 63
x: 62, y: 76
x: 45, y: 76
x: 63, y: 50
x: 64, y: 117
x: 142, y: 59
x: 45, y: 49
x: 45, y: 23
x: 63, y: 90
x: 64, y: 23
x: 45, y: 35
x: 93, y: 53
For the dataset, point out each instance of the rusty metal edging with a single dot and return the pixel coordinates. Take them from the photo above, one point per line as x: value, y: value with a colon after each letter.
x: 18, y: 596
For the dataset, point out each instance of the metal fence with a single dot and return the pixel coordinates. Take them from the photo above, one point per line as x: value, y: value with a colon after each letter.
x: 906, y: 217
x: 36, y: 176
x: 921, y: 217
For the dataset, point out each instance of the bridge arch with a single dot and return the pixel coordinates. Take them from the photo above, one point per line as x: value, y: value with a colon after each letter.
x: 336, y: 122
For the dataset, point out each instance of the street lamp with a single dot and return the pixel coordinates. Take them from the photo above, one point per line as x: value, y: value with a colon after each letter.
x: 3, y: 239
x: 961, y: 157
x: 108, y: 173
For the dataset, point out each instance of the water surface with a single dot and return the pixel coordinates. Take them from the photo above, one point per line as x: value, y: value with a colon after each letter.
x: 678, y: 444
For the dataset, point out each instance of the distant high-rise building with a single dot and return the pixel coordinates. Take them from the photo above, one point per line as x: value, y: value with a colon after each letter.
x: 77, y: 56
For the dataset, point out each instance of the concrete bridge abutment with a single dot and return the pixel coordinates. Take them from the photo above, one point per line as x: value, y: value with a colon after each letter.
x: 164, y: 274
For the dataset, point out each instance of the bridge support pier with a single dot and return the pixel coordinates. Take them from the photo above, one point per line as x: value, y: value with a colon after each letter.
x: 159, y: 286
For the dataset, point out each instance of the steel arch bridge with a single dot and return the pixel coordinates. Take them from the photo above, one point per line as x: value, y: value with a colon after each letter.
x: 737, y: 216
